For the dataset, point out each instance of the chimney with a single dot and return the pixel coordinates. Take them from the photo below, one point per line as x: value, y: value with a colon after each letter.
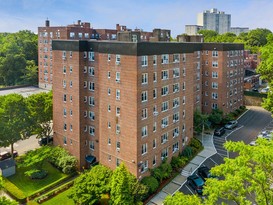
x: 79, y: 22
x: 47, y: 23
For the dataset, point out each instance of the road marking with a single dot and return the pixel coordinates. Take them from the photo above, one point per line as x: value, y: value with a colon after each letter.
x: 213, y: 161
x: 189, y: 188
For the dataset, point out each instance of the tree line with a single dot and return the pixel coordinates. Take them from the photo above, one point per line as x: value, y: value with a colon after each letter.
x: 18, y: 58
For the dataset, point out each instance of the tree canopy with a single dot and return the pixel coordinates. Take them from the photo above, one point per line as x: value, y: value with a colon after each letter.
x: 246, y: 179
x: 18, y: 58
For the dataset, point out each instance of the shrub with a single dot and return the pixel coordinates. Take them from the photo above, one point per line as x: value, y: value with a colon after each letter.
x: 178, y: 162
x: 14, y: 191
x: 187, y: 152
x: 157, y: 173
x: 151, y: 183
x: 36, y: 174
x: 195, y: 143
x: 166, y: 170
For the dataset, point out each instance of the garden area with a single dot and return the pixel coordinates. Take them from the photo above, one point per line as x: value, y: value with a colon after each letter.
x: 40, y: 171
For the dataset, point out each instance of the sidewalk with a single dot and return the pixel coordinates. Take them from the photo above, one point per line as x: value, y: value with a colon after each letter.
x: 181, y: 179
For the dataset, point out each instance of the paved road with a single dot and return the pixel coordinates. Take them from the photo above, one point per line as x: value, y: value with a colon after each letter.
x: 249, y: 125
x: 23, y: 145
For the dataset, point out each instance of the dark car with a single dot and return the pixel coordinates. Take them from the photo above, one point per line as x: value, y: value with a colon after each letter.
x: 45, y: 140
x: 196, y: 182
x: 219, y: 131
x: 6, y: 155
x: 204, y: 172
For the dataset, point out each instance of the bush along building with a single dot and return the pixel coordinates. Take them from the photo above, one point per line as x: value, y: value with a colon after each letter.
x: 133, y: 102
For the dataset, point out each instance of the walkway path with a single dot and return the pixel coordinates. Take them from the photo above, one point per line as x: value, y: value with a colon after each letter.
x: 178, y: 181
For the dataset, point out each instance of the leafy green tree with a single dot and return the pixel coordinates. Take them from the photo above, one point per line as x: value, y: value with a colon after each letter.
x: 200, y: 120
x: 89, y: 186
x: 246, y: 179
x: 182, y: 199
x: 40, y: 106
x: 209, y: 35
x: 258, y: 37
x: 216, y: 116
x: 30, y: 73
x: 15, y: 122
x: 35, y: 158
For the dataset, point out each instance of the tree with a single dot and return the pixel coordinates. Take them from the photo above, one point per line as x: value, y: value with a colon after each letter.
x: 40, y: 106
x: 182, y: 199
x: 209, y: 35
x: 89, y: 186
x: 246, y: 179
x: 216, y: 116
x: 258, y: 37
x: 15, y: 122
x: 199, y: 121
x: 30, y: 73
x: 125, y: 188
x: 35, y: 158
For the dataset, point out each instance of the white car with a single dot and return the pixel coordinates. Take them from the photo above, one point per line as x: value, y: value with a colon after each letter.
x: 231, y: 124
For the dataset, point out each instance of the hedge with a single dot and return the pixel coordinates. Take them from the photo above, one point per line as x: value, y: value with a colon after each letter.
x: 255, y: 94
x: 14, y: 191
x: 151, y: 183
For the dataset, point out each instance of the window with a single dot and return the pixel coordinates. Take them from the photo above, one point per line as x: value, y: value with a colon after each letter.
x: 165, y: 59
x: 117, y: 59
x: 144, y: 96
x: 176, y: 88
x: 80, y: 35
x: 70, y: 98
x: 144, y: 149
x: 214, y: 74
x: 109, y: 108
x: 175, y: 117
x: 64, y: 83
x: 154, y: 143
x: 85, y: 84
x: 118, y: 77
x: 165, y: 90
x: 64, y: 112
x: 64, y: 55
x: 71, y: 83
x: 155, y: 77
x: 144, y: 61
x: 117, y: 94
x: 154, y: 161
x: 91, y: 115
x: 85, y: 69
x: 175, y: 102
x: 165, y: 106
x: 144, y: 131
x: 154, y: 93
x: 215, y: 64
x: 154, y: 127
x: 109, y: 124
x: 70, y: 68
x: 164, y: 75
x: 176, y: 132
x: 118, y: 145
x: 144, y: 166
x: 85, y: 128
x: 164, y: 153
x: 175, y: 147
x: 117, y: 129
x: 85, y: 99
x: 176, y: 58
x: 64, y: 97
x: 91, y: 86
x: 91, y: 145
x: 72, y: 35
x: 154, y: 59
x: 214, y: 85
x: 183, y: 127
x: 214, y: 105
x: 109, y: 91
x: 109, y: 141
x: 214, y: 53
x: 184, y: 100
x: 109, y: 57
x: 64, y: 69
x: 91, y: 101
x: 92, y: 130
x: 71, y: 112
x: 164, y: 138
x: 117, y: 111
x: 91, y: 56
x: 144, y: 78
x: 65, y: 140
x: 91, y: 71
x: 165, y: 122
x: 214, y: 96
x: 86, y: 35
x: 184, y: 71
x: 176, y: 72
x: 109, y: 74
x: 144, y: 114
x: 184, y: 85
x: 184, y: 114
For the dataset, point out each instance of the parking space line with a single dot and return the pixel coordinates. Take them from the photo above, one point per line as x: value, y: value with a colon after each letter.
x: 189, y: 188
x: 213, y: 161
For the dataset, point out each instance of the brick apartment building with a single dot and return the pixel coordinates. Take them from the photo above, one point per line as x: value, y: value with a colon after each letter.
x: 133, y: 102
x: 84, y: 31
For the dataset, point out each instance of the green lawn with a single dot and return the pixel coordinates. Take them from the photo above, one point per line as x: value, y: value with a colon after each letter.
x: 29, y: 186
x: 60, y: 199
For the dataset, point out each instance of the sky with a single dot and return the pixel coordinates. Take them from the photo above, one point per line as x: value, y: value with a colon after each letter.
x: 18, y: 15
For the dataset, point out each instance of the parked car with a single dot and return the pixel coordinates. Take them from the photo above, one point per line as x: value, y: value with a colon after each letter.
x: 252, y: 143
x: 204, y: 172
x: 231, y: 124
x: 45, y: 140
x: 265, y: 90
x: 196, y: 182
x: 5, y: 155
x: 267, y: 134
x: 219, y: 131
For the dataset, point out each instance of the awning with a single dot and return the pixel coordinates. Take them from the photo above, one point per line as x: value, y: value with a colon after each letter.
x: 90, y: 159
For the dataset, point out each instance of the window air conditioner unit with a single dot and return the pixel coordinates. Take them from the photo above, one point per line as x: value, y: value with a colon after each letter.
x: 176, y: 134
x: 117, y: 62
x: 118, y: 80
x: 117, y: 132
x: 155, y: 113
x: 163, y: 125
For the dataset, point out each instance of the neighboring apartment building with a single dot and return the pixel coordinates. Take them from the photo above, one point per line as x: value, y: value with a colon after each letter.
x: 131, y: 102
x: 238, y: 30
x: 192, y: 29
x: 214, y: 20
x: 79, y: 30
